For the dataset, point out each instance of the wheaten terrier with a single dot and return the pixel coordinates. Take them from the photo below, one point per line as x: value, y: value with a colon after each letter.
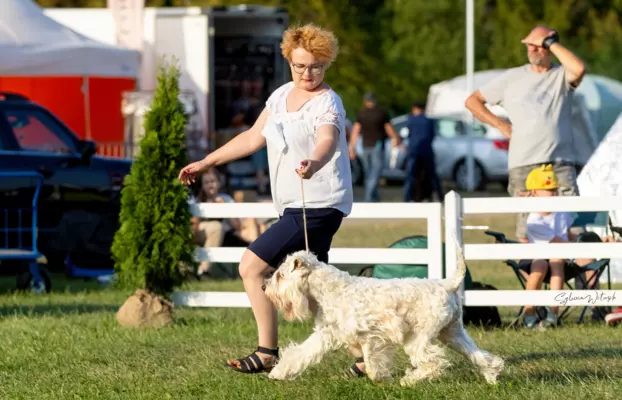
x: 373, y: 317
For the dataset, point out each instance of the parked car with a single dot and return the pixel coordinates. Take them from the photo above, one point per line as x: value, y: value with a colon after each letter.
x: 490, y: 151
x: 76, y: 179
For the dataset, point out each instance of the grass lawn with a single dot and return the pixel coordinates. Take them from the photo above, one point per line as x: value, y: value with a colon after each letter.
x: 67, y: 345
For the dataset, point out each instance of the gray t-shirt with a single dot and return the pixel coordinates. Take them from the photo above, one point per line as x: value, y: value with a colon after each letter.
x: 539, y: 106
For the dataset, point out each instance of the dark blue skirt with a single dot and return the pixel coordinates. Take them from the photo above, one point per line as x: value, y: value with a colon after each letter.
x: 287, y: 236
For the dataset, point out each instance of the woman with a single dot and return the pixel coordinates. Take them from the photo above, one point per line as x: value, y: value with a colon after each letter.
x: 303, y: 128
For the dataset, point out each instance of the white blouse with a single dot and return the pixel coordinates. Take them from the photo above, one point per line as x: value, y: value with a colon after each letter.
x: 290, y: 138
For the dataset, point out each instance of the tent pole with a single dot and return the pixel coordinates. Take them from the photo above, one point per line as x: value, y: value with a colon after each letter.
x: 87, y: 107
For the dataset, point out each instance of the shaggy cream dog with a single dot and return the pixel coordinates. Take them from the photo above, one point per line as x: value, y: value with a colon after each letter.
x: 373, y: 317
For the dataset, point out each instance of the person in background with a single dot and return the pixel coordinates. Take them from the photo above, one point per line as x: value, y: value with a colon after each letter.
x: 210, y: 232
x: 550, y: 227
x: 373, y: 124
x: 419, y: 153
x: 538, y: 99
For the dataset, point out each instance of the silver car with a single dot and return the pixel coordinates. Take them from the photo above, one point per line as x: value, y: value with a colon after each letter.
x: 490, y: 150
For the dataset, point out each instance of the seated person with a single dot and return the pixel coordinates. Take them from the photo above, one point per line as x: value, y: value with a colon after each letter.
x: 549, y: 227
x: 210, y: 232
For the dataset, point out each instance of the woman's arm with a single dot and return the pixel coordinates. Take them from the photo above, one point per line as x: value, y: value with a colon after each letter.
x: 244, y: 144
x: 326, y: 140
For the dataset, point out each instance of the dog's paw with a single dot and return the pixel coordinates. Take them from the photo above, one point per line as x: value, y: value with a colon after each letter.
x: 279, y: 374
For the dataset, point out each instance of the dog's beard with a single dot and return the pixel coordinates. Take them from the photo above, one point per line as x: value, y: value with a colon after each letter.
x: 290, y: 300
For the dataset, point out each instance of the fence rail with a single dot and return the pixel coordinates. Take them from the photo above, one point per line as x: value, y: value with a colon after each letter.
x: 455, y: 210
x: 432, y: 256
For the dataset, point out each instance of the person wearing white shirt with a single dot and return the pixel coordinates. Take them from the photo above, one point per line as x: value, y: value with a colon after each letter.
x: 548, y: 227
x: 303, y: 127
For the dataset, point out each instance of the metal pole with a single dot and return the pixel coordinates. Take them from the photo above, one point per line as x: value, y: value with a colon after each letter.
x: 470, y: 70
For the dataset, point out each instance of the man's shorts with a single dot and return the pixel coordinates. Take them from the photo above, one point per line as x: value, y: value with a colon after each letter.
x: 287, y: 235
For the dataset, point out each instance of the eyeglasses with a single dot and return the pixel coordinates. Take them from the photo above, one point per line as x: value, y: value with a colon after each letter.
x: 314, y: 69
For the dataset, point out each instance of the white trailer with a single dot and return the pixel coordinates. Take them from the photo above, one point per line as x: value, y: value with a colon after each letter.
x: 225, y: 53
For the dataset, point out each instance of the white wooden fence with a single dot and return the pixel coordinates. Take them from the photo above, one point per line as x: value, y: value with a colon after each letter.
x: 432, y: 256
x: 455, y: 209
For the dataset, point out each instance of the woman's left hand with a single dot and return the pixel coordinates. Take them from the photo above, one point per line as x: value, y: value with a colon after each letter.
x: 307, y: 169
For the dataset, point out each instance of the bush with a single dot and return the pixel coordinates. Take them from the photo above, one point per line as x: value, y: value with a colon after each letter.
x: 154, y: 238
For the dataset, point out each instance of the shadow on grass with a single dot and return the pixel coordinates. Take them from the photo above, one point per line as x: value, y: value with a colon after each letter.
x: 566, y: 377
x: 61, y: 283
x: 56, y: 310
x: 578, y: 354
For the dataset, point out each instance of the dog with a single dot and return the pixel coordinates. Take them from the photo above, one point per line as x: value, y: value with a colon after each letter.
x: 373, y: 317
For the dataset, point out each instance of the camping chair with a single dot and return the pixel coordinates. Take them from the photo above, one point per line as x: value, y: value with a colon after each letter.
x: 571, y: 271
x: 486, y: 316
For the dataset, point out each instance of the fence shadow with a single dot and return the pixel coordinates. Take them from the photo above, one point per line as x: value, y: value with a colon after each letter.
x: 56, y: 310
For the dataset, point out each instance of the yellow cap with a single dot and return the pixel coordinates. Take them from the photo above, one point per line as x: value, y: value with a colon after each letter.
x: 542, y: 178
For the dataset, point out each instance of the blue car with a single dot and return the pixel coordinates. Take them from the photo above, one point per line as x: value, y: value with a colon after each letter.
x: 76, y: 179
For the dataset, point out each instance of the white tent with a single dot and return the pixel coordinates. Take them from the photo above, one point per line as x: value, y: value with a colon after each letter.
x: 33, y: 44
x: 601, y: 177
x: 600, y: 95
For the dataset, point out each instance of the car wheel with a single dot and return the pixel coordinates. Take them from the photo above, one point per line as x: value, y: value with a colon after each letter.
x: 461, y: 176
x: 24, y: 282
x: 358, y: 175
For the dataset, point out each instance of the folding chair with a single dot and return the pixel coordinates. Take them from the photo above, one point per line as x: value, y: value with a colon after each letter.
x: 571, y: 271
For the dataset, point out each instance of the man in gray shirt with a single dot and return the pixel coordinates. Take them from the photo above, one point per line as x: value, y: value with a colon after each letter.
x: 538, y: 99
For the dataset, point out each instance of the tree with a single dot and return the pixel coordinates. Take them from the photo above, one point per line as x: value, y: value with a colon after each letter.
x: 154, y: 238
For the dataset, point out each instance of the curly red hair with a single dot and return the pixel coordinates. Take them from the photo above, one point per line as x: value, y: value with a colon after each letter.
x: 322, y: 43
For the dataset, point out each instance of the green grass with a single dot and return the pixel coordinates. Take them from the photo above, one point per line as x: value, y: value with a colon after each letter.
x: 67, y: 345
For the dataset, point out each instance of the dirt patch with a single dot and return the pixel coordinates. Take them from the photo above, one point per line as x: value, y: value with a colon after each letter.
x: 143, y: 309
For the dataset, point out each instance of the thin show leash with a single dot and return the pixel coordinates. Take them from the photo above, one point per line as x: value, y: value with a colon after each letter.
x: 304, y: 212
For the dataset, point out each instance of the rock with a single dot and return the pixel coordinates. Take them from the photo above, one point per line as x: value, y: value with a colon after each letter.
x: 143, y: 309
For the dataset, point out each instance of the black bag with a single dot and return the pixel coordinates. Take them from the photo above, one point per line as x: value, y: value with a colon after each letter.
x: 486, y: 316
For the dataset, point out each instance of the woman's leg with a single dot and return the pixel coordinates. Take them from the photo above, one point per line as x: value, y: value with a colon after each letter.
x: 212, y: 234
x: 253, y: 270
x: 249, y: 231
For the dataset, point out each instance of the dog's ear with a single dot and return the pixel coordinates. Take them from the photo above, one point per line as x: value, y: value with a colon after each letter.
x: 298, y: 264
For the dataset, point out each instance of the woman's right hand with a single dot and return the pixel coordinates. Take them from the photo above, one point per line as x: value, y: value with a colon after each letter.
x: 189, y: 173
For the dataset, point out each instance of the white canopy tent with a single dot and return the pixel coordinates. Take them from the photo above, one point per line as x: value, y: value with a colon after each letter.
x: 601, y: 177
x: 41, y: 58
x: 33, y: 44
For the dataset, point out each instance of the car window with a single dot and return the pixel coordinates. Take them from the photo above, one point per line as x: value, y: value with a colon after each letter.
x: 450, y: 128
x: 34, y: 130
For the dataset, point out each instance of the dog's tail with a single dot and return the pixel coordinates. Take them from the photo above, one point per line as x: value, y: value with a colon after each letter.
x: 454, y: 283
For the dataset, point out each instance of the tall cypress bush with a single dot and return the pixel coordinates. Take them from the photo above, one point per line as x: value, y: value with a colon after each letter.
x: 154, y: 238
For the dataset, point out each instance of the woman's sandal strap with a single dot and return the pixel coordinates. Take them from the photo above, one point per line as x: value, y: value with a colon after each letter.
x: 252, y: 363
x: 265, y: 350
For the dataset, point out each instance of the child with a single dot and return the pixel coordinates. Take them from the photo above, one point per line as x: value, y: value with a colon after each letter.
x: 548, y: 227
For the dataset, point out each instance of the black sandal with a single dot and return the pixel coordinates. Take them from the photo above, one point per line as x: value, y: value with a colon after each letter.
x: 252, y: 364
x: 355, y: 371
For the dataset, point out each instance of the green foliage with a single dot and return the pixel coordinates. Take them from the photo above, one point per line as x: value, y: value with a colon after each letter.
x: 155, y: 236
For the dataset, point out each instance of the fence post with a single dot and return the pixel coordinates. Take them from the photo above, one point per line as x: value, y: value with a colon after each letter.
x: 435, y: 243
x: 453, y: 227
